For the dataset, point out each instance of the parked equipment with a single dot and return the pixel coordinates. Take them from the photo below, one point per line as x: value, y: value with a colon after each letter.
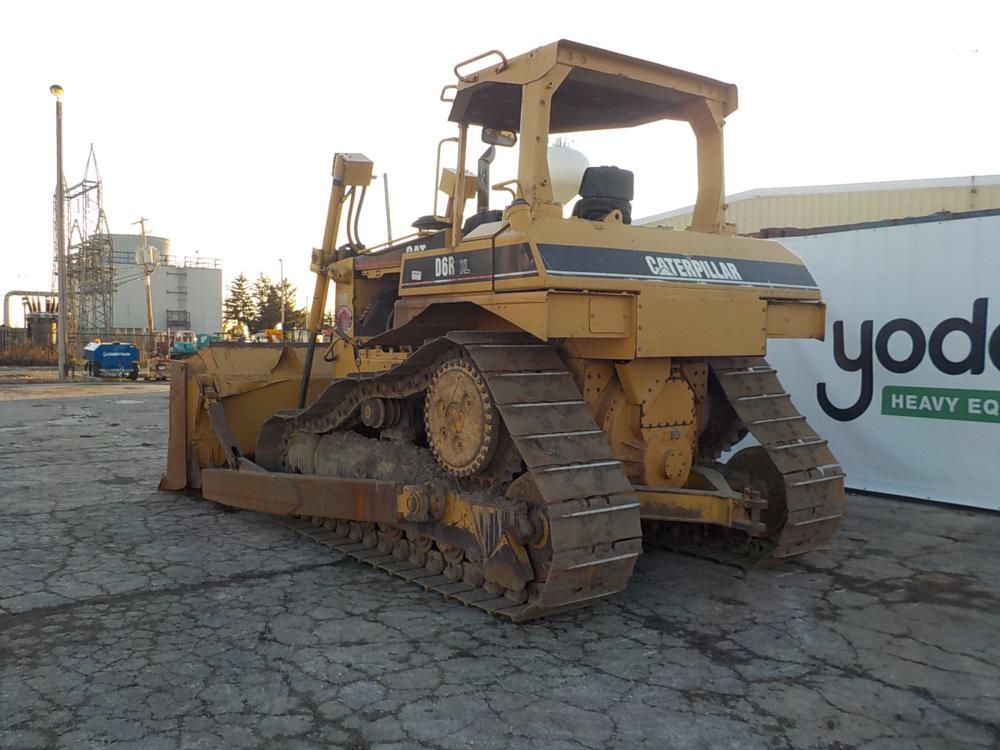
x: 111, y: 360
x: 155, y: 368
x: 185, y: 344
x: 509, y: 393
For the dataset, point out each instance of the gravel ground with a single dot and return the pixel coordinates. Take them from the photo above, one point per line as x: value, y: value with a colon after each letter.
x: 132, y: 618
x: 10, y: 374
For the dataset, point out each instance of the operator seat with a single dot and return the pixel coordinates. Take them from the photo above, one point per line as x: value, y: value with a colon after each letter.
x: 430, y: 223
x: 604, y: 189
x: 482, y: 217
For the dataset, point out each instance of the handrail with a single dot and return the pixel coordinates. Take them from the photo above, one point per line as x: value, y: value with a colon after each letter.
x: 437, y: 176
x: 376, y: 249
x: 502, y: 65
x: 505, y: 185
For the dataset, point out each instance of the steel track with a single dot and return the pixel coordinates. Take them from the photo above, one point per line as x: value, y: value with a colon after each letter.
x: 594, y: 530
x: 803, y: 473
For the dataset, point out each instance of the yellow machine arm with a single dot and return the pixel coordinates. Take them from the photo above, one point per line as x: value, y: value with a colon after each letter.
x: 349, y: 171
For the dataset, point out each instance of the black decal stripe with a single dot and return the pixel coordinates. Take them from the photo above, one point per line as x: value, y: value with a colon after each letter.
x: 511, y: 261
x: 615, y: 263
x: 463, y: 267
x: 651, y: 277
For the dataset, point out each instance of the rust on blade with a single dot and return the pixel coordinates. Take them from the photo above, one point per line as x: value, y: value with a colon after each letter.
x: 300, y: 494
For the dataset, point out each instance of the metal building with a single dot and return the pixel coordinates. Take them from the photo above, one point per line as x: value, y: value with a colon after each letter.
x: 187, y: 291
x: 836, y: 205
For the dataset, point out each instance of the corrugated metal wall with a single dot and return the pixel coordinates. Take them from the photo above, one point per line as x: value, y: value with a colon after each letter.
x: 819, y: 209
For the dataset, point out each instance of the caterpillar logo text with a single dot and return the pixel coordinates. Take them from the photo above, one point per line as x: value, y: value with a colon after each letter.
x: 692, y: 269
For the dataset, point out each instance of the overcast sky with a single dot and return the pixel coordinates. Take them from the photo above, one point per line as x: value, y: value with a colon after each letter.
x: 218, y: 120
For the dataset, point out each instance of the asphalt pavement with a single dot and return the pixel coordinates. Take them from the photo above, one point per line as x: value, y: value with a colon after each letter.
x: 134, y: 618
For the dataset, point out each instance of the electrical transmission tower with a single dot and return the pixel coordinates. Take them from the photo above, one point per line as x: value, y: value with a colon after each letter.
x: 90, y: 273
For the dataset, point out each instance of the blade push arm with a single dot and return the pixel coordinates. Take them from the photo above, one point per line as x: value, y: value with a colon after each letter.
x: 349, y: 170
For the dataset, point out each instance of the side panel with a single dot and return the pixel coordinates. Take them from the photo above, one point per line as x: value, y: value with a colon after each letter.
x: 789, y: 320
x: 613, y: 326
x: 698, y: 326
x: 617, y: 292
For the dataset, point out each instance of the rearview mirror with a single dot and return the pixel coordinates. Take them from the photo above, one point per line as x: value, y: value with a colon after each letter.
x: 496, y: 137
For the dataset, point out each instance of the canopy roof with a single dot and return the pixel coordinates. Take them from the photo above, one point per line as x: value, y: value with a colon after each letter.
x: 602, y: 90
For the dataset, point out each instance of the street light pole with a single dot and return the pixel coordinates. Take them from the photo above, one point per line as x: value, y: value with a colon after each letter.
x: 281, y: 265
x: 61, y: 336
x: 149, y: 264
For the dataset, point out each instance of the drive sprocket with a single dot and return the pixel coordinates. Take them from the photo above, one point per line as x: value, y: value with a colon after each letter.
x: 463, y: 427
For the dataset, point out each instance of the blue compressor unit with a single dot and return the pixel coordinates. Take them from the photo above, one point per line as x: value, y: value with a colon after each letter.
x: 111, y: 360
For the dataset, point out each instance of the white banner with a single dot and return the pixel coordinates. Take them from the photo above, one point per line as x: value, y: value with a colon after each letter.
x: 906, y: 386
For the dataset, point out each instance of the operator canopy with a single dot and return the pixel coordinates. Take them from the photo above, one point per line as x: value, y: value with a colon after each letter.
x: 602, y: 90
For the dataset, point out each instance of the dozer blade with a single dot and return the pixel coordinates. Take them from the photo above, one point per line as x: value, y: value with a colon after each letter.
x: 250, y: 382
x: 175, y: 477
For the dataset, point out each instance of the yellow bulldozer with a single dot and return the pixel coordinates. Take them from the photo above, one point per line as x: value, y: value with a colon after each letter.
x: 514, y: 399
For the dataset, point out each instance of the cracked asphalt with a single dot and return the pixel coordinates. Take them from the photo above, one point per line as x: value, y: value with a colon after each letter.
x: 133, y: 618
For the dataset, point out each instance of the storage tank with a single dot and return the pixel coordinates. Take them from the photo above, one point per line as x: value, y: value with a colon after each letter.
x: 123, y: 246
x: 566, y: 168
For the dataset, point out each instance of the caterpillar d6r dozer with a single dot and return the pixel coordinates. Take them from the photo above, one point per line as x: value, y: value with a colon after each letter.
x: 513, y: 399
